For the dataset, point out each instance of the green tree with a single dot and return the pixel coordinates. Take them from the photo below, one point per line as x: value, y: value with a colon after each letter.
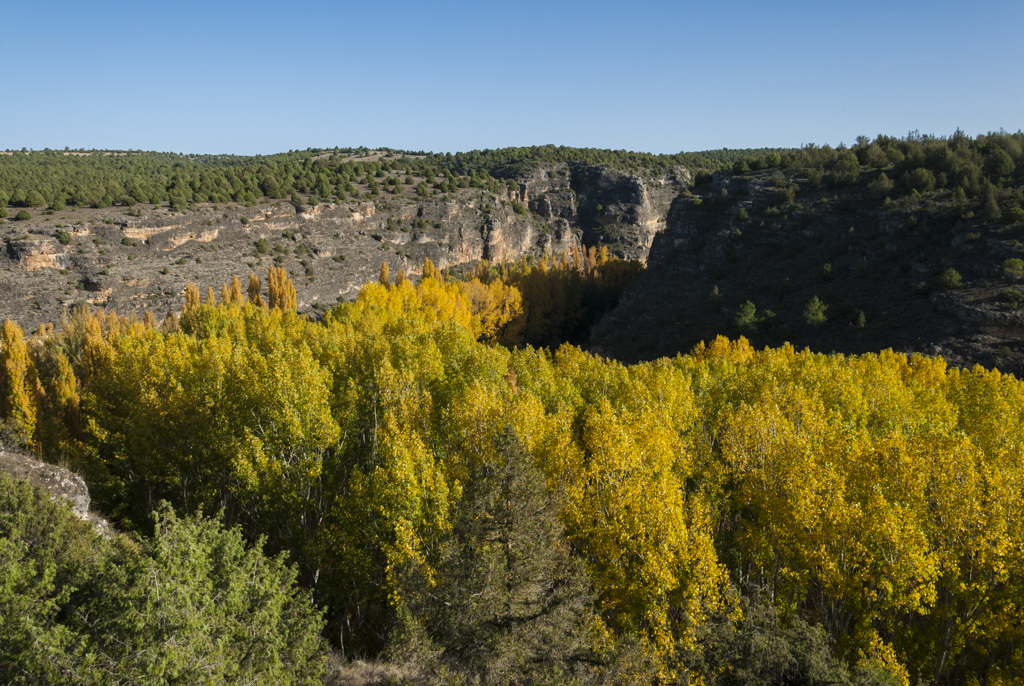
x: 23, y: 215
x: 814, y: 312
x: 746, y: 316
x: 846, y: 171
x: 881, y: 187
x: 511, y: 605
x: 192, y: 604
x: 950, y: 278
x: 761, y: 649
x: 1013, y: 268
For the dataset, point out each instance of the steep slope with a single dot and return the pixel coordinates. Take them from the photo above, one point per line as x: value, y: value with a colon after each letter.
x: 880, y: 268
x: 141, y: 259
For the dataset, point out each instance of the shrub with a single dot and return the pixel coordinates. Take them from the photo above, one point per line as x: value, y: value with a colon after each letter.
x: 881, y: 187
x: 950, y: 278
x: 519, y: 208
x: 1013, y: 298
x: 1013, y: 215
x: 179, y: 607
x: 261, y: 246
x: 63, y: 237
x: 814, y: 177
x: 23, y: 215
x: 1013, y: 268
x: 127, y: 241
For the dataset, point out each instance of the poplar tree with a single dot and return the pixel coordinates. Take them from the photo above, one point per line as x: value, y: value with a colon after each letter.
x: 254, y: 290
x: 17, y: 382
x: 384, y: 280
x: 192, y: 298
x: 282, y: 290
x: 235, y: 295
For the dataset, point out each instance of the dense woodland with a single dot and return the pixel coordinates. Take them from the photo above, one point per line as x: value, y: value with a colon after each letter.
x: 56, y: 179
x: 434, y: 477
x: 536, y: 516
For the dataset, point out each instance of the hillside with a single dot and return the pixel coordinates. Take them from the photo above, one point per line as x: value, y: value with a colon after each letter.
x: 331, y: 241
x: 898, y: 259
x: 500, y: 470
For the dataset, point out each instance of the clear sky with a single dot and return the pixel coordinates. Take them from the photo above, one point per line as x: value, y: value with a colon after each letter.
x: 258, y: 77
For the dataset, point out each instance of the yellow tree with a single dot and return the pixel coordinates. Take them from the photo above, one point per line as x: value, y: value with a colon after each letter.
x: 255, y: 291
x: 17, y: 382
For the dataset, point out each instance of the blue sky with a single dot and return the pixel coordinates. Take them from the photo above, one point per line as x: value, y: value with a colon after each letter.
x: 664, y: 77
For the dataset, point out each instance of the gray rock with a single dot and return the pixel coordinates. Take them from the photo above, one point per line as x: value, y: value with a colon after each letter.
x: 61, y: 483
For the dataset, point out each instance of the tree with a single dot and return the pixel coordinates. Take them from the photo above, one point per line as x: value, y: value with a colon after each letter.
x: 846, y: 171
x: 875, y: 157
x: 235, y: 293
x: 23, y: 215
x: 761, y: 649
x: 511, y: 604
x: 192, y: 297
x: 1013, y: 268
x: 254, y: 291
x: 281, y: 293
x: 881, y: 187
x: 35, y: 199
x: 950, y: 278
x: 746, y: 316
x: 17, y: 383
x: 383, y: 278
x: 814, y: 312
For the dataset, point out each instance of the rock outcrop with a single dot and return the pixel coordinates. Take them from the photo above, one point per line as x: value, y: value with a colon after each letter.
x: 878, y: 268
x: 62, y: 484
x: 130, y: 261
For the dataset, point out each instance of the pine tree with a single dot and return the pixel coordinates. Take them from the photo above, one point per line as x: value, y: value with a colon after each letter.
x: 511, y: 605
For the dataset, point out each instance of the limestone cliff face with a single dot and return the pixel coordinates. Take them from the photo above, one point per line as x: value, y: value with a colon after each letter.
x: 621, y: 210
x: 127, y: 263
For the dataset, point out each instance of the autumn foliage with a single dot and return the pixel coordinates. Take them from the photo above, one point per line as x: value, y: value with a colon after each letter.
x: 876, y: 497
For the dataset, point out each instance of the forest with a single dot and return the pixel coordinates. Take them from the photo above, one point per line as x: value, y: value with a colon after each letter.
x: 410, y: 481
x: 437, y: 482
x: 57, y: 179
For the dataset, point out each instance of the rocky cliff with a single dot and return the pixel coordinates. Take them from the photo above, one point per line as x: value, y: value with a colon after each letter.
x: 879, y: 269
x: 135, y: 260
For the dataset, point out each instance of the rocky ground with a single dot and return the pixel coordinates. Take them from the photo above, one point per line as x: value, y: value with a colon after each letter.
x: 877, y: 266
x: 129, y: 260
